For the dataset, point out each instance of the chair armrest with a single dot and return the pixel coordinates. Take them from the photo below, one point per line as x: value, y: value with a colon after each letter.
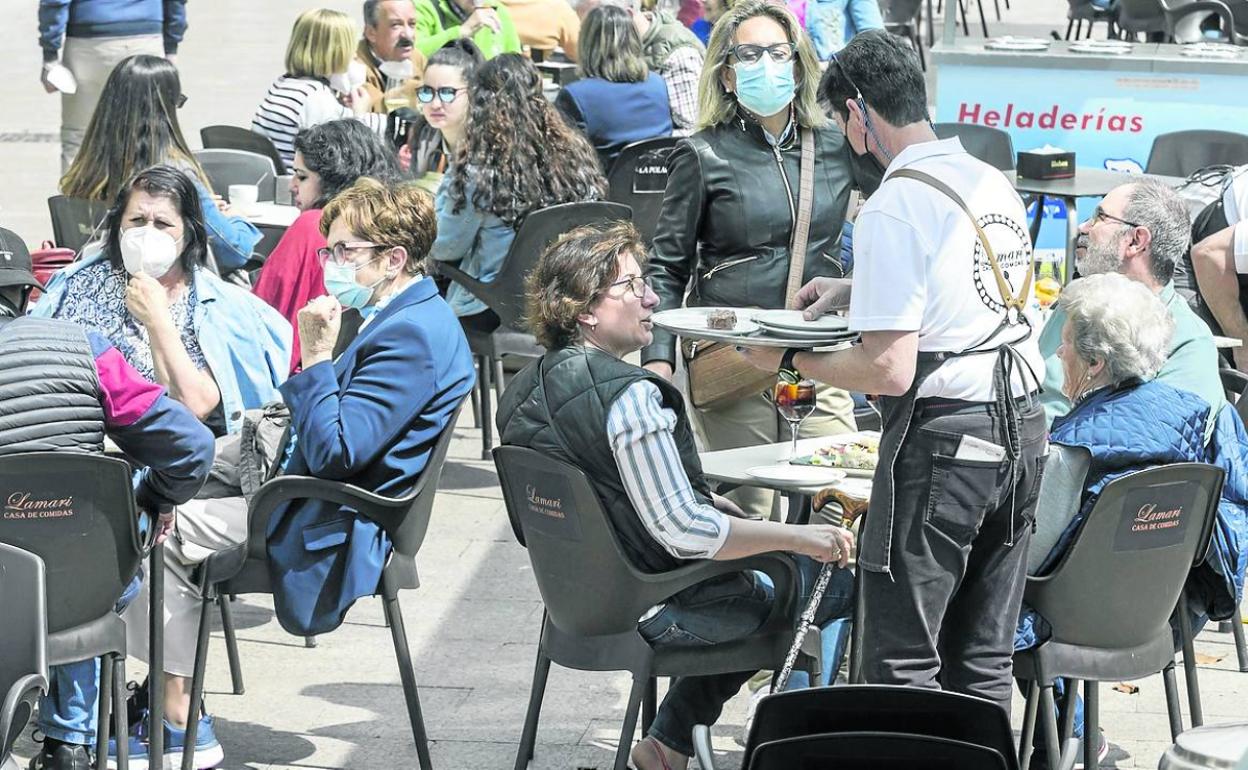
x: 780, y: 567
x: 1233, y: 380
x: 702, y: 747
x: 386, y: 511
x: 478, y: 288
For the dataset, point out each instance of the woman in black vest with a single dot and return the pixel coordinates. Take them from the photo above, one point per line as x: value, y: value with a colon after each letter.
x: 590, y: 305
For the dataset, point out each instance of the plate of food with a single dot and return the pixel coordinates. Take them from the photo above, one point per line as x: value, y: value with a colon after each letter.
x: 725, y: 320
x: 796, y: 475
x: 794, y: 321
x: 857, y: 456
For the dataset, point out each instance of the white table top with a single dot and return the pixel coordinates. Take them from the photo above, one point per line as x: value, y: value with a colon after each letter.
x: 273, y: 214
x: 729, y: 465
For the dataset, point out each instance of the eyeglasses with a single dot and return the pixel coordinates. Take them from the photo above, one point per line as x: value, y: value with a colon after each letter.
x: 637, y: 284
x: 182, y: 100
x: 338, y: 253
x: 445, y: 94
x: 1100, y: 215
x: 748, y: 53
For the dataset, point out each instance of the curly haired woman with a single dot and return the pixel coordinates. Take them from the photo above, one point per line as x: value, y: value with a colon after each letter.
x: 518, y: 156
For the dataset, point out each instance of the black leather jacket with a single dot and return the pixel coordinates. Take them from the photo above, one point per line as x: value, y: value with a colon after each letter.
x: 728, y: 213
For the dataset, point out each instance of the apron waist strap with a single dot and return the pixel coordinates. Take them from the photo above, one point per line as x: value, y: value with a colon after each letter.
x: 940, y: 407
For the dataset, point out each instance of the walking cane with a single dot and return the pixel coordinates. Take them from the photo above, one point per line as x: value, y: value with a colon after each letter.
x: 803, y: 627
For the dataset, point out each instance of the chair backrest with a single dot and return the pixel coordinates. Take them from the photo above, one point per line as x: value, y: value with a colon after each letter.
x: 1180, y: 153
x: 1141, y: 16
x: 991, y: 145
x: 1119, y: 581
x: 873, y: 751
x: 227, y: 167
x: 586, y: 582
x: 408, y: 538
x: 237, y: 138
x: 857, y: 708
x: 900, y: 13
x: 75, y: 220
x: 77, y: 512
x: 23, y: 641
x: 506, y: 294
x: 638, y: 178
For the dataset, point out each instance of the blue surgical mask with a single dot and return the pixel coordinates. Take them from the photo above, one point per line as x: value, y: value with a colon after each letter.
x: 340, y: 282
x: 766, y: 86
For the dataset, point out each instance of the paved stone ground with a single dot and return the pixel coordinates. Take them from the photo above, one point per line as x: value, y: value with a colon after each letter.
x: 473, y: 624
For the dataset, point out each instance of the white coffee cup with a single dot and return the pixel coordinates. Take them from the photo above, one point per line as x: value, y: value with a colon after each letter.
x: 243, y: 197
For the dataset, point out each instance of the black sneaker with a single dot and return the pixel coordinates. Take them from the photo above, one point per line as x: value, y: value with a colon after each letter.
x: 57, y: 755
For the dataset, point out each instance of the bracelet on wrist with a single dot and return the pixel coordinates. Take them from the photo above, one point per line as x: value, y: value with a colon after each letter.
x: 788, y: 366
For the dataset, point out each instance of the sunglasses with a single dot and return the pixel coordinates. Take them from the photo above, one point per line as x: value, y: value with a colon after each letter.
x: 445, y: 94
x: 748, y: 53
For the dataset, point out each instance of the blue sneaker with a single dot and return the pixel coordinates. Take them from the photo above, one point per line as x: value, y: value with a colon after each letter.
x: 208, y: 751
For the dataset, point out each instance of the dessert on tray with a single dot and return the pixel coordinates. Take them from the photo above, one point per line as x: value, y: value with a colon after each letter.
x: 862, y: 453
x: 725, y: 320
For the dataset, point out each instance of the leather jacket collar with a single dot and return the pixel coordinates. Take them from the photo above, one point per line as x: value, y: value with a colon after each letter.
x: 750, y: 125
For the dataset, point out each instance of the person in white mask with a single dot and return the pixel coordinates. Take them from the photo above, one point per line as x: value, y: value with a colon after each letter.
x: 323, y: 81
x: 387, y: 52
x: 214, y: 347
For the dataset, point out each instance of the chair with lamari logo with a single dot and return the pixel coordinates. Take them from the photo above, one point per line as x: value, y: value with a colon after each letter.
x: 1111, y: 597
x: 77, y: 512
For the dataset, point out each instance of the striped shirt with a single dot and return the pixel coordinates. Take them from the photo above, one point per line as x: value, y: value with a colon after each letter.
x: 640, y: 430
x: 293, y: 104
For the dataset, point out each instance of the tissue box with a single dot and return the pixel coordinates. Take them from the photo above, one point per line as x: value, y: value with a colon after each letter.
x: 1046, y: 165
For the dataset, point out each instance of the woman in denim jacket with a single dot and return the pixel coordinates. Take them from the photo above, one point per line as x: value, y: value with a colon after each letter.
x: 218, y: 349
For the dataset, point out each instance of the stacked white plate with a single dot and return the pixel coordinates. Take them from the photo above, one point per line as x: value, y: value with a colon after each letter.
x: 1211, y: 51
x: 1013, y: 43
x: 792, y: 324
x: 1111, y: 47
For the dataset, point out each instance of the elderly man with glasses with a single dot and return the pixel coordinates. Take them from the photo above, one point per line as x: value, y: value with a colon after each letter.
x: 1140, y: 229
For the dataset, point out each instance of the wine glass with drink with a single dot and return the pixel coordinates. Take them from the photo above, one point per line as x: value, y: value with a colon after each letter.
x: 795, y: 400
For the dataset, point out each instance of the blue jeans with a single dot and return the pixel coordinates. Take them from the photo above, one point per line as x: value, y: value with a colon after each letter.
x: 728, y: 608
x: 68, y: 712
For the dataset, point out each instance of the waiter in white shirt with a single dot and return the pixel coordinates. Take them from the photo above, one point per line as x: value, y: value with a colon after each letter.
x: 1220, y: 260
x: 942, y: 297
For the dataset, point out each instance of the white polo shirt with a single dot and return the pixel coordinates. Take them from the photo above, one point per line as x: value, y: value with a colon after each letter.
x: 918, y: 266
x: 1235, y: 206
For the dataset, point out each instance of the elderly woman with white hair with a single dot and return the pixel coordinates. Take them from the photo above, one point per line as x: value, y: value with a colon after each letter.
x: 1115, y: 338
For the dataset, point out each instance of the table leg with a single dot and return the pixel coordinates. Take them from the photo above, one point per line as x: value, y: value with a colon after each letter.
x: 156, y: 658
x: 1037, y: 219
x: 799, y: 508
x: 931, y: 25
x: 1072, y: 232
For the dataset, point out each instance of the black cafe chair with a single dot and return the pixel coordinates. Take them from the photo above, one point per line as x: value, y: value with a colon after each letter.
x: 505, y: 295
x: 1110, y: 599
x: 874, y: 750
x: 82, y: 521
x: 1181, y: 153
x: 638, y: 179
x: 871, y: 708
x: 991, y: 145
x: 244, y: 568
x: 593, y: 596
x: 23, y: 644
x: 75, y: 221
x: 237, y: 138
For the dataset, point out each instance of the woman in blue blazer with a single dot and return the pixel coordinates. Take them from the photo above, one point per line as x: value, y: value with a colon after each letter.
x: 371, y: 417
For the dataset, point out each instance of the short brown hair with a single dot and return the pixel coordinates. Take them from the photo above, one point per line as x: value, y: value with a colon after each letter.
x: 391, y: 216
x: 570, y: 275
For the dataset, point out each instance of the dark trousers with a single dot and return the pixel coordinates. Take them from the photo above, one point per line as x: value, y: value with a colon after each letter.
x: 946, y: 615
